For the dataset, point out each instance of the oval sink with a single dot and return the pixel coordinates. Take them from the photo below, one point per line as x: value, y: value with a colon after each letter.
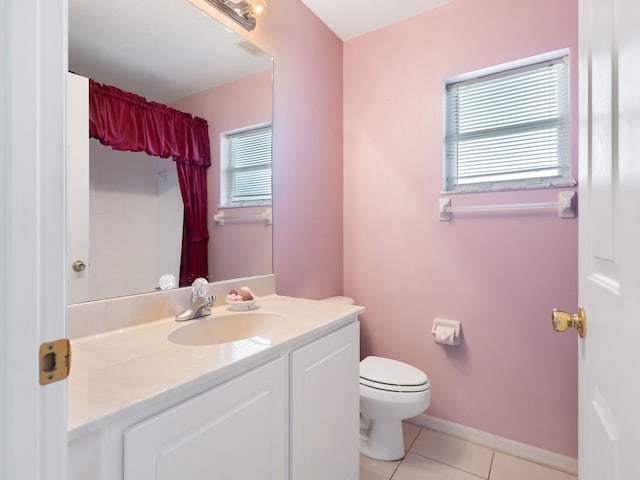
x: 227, y: 328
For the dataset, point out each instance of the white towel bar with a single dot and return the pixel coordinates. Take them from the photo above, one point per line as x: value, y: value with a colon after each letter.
x: 564, y: 205
x: 220, y: 218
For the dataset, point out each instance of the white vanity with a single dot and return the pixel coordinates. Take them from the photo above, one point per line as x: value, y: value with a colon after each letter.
x: 279, y: 405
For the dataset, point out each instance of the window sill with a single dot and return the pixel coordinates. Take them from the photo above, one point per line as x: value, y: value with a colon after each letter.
x: 246, y: 205
x: 567, y: 184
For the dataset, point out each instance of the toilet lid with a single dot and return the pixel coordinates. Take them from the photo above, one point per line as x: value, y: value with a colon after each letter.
x: 388, y: 374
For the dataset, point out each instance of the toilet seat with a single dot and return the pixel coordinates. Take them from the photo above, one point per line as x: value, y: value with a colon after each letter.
x: 392, y: 376
x: 394, y: 388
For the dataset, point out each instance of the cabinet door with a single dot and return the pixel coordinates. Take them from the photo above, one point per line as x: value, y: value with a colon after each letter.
x: 325, y: 407
x: 236, y: 430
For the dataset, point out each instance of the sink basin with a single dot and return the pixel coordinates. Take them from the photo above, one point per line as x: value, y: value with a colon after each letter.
x: 227, y: 328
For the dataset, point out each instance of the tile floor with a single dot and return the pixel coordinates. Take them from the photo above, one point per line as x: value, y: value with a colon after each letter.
x: 436, y: 456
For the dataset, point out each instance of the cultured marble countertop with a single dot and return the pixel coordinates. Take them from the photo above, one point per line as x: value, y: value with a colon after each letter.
x: 132, y: 368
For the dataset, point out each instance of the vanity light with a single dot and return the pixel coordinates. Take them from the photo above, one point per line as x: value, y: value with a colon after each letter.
x: 243, y: 12
x: 257, y: 8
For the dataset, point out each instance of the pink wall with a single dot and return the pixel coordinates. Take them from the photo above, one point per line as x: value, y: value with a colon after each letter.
x: 235, y: 249
x: 307, y: 148
x: 499, y: 274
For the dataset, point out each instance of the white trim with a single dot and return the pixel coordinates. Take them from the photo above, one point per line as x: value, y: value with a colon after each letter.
x: 528, y: 452
x: 523, y: 62
x: 5, y: 94
x: 569, y: 184
x: 33, y: 304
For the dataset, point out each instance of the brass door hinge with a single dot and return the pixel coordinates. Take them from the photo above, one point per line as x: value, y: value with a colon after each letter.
x: 55, y: 361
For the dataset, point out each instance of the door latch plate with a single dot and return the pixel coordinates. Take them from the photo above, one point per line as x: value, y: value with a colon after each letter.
x: 55, y: 361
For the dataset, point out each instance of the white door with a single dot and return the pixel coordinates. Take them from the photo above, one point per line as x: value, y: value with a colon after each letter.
x: 610, y: 239
x: 32, y: 234
x: 78, y: 266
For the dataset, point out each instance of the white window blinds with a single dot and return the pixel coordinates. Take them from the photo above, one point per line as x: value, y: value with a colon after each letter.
x: 249, y: 171
x: 508, y: 130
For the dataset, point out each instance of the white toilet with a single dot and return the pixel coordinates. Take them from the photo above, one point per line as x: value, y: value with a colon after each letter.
x: 390, y: 391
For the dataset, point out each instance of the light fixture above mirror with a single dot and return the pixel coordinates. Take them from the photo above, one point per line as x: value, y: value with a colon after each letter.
x: 243, y: 12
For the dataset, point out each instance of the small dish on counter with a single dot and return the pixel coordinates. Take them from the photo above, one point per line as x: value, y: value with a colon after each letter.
x: 240, y: 305
x: 241, y: 299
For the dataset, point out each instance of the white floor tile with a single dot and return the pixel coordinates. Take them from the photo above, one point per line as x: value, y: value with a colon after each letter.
x: 455, y: 452
x: 507, y: 467
x: 416, y: 467
x: 371, y: 469
x: 437, y: 456
x: 409, y: 432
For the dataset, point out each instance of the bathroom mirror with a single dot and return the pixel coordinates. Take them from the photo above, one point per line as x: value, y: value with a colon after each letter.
x: 165, y: 51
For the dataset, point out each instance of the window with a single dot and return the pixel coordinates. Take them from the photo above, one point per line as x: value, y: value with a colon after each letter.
x: 508, y: 130
x: 246, y: 167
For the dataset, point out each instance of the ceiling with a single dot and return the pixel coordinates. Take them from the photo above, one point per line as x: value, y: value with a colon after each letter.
x: 351, y: 18
x: 163, y: 53
x: 174, y: 49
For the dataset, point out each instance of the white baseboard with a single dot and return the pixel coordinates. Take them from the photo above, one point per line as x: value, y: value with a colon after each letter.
x: 517, y: 449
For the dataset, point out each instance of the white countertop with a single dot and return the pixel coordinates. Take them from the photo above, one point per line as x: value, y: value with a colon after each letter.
x: 134, y: 367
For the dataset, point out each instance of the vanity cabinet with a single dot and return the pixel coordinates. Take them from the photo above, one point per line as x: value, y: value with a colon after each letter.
x: 325, y: 407
x: 235, y: 430
x: 292, y: 415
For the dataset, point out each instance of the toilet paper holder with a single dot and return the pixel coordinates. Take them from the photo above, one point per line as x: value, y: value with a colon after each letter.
x: 446, y: 332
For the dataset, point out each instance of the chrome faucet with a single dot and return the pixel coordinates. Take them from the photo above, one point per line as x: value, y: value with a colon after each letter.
x: 200, y: 307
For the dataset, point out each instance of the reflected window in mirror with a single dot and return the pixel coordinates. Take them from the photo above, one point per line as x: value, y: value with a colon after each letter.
x: 245, y: 163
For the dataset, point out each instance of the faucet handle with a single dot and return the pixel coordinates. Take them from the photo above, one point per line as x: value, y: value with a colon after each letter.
x: 199, y: 288
x: 206, y: 305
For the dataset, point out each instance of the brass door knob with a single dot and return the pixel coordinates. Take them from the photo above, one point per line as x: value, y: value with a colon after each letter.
x: 79, y: 266
x: 562, y: 321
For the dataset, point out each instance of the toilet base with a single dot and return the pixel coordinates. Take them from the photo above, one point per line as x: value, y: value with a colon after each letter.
x: 383, y: 441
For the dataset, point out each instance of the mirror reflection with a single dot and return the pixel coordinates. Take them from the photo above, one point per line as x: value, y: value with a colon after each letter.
x: 125, y: 208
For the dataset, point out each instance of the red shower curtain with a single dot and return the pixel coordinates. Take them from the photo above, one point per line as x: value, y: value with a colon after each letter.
x: 126, y: 121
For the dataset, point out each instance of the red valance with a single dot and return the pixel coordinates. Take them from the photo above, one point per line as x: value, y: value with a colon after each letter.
x: 126, y: 121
